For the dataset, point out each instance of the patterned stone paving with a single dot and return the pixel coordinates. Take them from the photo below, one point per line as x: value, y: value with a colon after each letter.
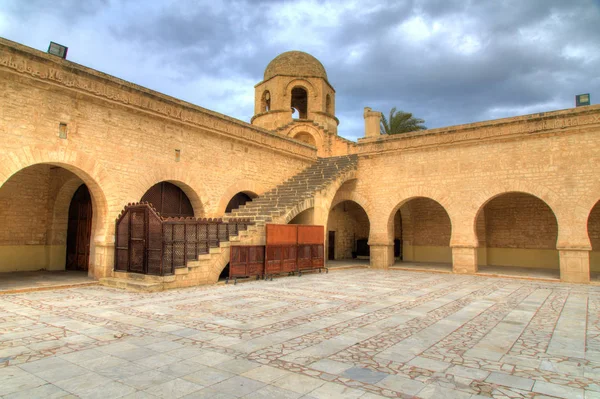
x: 353, y: 333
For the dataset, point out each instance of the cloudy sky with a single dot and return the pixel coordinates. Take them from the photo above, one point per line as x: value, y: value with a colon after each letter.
x: 446, y: 61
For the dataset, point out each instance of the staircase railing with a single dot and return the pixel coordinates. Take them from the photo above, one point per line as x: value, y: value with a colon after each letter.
x: 147, y: 243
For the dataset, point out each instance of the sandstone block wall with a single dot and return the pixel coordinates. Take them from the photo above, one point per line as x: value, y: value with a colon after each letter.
x: 122, y: 139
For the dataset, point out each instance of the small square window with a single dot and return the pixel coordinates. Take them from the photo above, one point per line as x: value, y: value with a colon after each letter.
x: 62, y: 130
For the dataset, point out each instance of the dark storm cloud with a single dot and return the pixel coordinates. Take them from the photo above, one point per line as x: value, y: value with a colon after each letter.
x: 198, y: 36
x: 68, y: 10
x: 510, y: 70
x: 447, y: 61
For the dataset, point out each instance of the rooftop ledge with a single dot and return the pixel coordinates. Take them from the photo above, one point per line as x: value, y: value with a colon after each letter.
x: 517, y: 125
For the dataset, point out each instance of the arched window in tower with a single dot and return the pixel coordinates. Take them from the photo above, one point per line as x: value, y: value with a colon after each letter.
x: 300, y: 102
x: 328, y: 104
x: 265, y: 101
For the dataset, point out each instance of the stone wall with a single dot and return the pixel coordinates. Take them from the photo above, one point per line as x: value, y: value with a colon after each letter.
x: 464, y: 167
x: 122, y: 139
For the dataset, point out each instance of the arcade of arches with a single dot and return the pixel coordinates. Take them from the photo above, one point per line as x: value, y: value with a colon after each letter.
x: 78, y: 145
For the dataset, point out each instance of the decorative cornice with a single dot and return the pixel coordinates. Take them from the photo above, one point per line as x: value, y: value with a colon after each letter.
x: 29, y: 62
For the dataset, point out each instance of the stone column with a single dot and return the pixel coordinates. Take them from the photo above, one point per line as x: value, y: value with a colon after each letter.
x: 372, y: 123
x: 574, y: 265
x: 382, y: 254
x: 464, y: 259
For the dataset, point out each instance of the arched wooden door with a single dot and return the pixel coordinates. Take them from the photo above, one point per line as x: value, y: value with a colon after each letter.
x: 79, y: 230
x: 169, y: 200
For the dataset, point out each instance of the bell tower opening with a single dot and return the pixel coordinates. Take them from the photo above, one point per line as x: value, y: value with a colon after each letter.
x: 265, y: 102
x: 300, y: 102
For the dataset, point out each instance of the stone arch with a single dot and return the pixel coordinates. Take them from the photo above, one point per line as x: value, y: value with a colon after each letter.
x: 304, y: 205
x: 593, y: 230
x: 481, y: 198
x: 514, y: 241
x: 83, y: 166
x: 311, y: 89
x: 305, y: 128
x: 241, y: 186
x: 321, y: 201
x: 95, y: 177
x: 418, y: 192
x: 354, y: 197
x: 581, y: 211
x: 416, y: 243
x: 305, y: 137
x: 189, y: 183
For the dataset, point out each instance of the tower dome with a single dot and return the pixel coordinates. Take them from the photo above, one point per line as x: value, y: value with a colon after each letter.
x: 295, y: 63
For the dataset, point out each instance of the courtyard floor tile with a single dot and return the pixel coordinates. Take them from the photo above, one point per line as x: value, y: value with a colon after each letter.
x: 352, y: 333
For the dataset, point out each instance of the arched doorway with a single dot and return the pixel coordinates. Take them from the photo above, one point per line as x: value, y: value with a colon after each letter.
x: 241, y: 198
x: 79, y: 230
x: 593, y: 227
x: 47, y: 214
x: 347, y: 234
x: 422, y: 231
x: 299, y: 103
x: 169, y: 200
x: 517, y: 235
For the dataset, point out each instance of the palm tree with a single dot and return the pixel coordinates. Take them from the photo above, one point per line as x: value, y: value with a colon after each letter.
x: 400, y: 122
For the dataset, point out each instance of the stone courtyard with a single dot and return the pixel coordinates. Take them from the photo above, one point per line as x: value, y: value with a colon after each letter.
x: 352, y: 333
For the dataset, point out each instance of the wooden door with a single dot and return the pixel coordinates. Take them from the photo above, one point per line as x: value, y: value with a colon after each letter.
x: 79, y: 230
x: 331, y: 246
x: 169, y: 200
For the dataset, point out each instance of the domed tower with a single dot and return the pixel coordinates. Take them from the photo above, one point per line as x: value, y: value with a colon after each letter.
x: 295, y: 99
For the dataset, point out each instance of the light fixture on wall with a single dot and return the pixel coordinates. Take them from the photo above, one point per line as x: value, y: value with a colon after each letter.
x: 582, y: 99
x: 58, y: 50
x: 177, y: 155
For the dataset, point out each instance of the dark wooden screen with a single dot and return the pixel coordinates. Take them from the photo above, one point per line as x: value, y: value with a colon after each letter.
x: 139, y: 241
x: 169, y: 200
x: 150, y: 244
x: 79, y: 230
x: 247, y: 260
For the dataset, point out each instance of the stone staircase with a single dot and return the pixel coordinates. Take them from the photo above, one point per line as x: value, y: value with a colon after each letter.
x: 271, y: 207
x: 275, y: 204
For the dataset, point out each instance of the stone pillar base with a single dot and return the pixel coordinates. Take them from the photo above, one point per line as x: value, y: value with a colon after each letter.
x: 382, y: 256
x: 464, y: 260
x: 574, y: 265
x: 102, y: 261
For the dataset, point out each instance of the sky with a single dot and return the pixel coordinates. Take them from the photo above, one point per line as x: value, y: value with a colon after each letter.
x: 448, y: 62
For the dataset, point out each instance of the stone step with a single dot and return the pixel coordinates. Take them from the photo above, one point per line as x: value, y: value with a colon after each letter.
x: 131, y: 284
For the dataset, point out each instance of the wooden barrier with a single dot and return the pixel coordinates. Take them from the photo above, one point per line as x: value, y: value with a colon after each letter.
x: 246, y: 261
x: 293, y: 248
x: 311, y: 248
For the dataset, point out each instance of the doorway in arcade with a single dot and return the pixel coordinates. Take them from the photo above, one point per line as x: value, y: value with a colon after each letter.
x: 347, y: 235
